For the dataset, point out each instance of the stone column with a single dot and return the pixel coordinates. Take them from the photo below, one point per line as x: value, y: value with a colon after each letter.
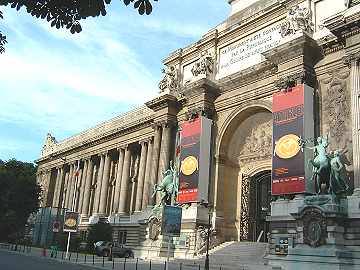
x: 104, y: 184
x: 87, y: 187
x: 164, y: 154
x: 72, y: 185
x: 62, y: 182
x: 82, y: 186
x: 147, y: 191
x: 354, y: 61
x: 67, y: 195
x: 155, y: 160
x: 141, y: 176
x: 98, y: 184
x: 118, y: 180
x: 57, y: 187
x: 125, y: 181
x: 79, y: 184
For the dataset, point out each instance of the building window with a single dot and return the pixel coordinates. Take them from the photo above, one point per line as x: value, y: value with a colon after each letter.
x: 122, y: 237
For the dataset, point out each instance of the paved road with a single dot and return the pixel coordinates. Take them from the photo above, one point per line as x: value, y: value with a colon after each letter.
x: 15, y: 261
x: 10, y: 260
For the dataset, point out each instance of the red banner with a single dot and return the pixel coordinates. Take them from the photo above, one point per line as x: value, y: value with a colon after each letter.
x: 288, y: 164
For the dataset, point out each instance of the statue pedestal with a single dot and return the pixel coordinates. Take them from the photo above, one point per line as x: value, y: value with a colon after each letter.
x: 315, y: 232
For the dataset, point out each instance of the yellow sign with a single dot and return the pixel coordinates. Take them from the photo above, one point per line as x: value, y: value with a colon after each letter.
x: 189, y: 165
x: 287, y: 146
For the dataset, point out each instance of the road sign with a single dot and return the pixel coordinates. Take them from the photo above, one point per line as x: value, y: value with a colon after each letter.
x: 171, y: 220
x: 71, y: 221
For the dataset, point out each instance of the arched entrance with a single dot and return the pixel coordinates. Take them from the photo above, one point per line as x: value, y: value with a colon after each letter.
x: 243, y: 174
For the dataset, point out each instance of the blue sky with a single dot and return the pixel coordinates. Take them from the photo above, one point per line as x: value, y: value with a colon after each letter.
x: 53, y: 81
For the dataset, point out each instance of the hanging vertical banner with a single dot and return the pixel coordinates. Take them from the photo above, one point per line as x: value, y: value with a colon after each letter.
x: 195, y: 140
x: 293, y: 120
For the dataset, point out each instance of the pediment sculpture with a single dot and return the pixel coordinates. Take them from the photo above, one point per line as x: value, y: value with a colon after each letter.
x: 49, y: 146
x: 297, y: 19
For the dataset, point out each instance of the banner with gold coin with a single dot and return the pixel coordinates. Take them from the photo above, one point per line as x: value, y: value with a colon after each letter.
x: 71, y: 221
x: 293, y: 121
x: 195, y: 139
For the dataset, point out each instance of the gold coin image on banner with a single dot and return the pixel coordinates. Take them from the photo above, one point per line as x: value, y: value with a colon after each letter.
x: 287, y: 146
x: 71, y: 222
x: 189, y: 165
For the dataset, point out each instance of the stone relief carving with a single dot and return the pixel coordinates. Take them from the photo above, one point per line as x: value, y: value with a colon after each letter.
x: 259, y: 141
x: 245, y: 200
x: 297, y: 19
x: 204, y: 66
x: 337, y: 105
x: 170, y: 81
x: 49, y: 146
x: 314, y: 227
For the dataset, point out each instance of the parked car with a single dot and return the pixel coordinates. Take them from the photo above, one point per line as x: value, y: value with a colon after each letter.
x: 103, y: 248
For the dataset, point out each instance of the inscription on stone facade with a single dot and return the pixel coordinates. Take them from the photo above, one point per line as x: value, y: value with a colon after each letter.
x: 246, y: 52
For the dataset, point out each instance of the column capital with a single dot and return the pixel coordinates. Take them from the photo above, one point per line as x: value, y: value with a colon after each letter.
x: 351, y: 59
x: 103, y: 153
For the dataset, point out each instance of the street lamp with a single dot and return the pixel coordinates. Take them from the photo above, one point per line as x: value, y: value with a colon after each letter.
x: 208, y: 206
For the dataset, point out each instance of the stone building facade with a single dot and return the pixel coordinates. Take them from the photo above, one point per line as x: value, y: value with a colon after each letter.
x: 228, y: 76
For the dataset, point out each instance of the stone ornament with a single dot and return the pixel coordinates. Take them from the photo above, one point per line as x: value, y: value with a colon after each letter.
x: 154, y: 228
x: 204, y: 66
x: 314, y: 227
x: 297, y: 19
x: 170, y: 81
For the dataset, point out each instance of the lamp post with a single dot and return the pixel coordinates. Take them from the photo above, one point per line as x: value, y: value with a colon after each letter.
x: 208, y: 206
x: 208, y: 240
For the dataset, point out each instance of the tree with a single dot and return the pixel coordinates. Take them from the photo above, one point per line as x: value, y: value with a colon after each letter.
x: 100, y: 231
x: 69, y: 13
x: 19, y: 197
x: 2, y: 38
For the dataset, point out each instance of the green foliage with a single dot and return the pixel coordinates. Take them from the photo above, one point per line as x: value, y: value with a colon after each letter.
x: 19, y: 197
x: 68, y: 13
x: 2, y: 38
x: 99, y: 232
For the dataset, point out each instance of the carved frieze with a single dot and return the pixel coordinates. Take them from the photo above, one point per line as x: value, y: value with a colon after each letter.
x: 336, y: 105
x: 204, y: 66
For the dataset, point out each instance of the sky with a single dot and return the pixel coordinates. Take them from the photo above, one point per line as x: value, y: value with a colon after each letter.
x: 56, y: 82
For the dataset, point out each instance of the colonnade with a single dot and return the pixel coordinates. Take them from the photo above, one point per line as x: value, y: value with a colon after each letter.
x: 114, y: 181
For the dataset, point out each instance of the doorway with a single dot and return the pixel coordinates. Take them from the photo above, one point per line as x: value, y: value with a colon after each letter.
x: 259, y: 206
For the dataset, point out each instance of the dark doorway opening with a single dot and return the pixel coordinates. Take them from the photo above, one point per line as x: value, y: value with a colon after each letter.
x: 259, y: 206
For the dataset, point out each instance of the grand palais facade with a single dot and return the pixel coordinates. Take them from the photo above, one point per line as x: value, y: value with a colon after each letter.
x: 229, y: 76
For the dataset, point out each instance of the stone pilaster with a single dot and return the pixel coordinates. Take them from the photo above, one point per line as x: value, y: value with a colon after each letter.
x: 165, y: 152
x: 118, y: 180
x: 147, y: 191
x: 61, y: 195
x: 105, y: 184
x: 72, y: 184
x: 125, y: 181
x: 353, y: 60
x: 98, y: 184
x: 87, y: 187
x: 155, y: 160
x: 141, y: 176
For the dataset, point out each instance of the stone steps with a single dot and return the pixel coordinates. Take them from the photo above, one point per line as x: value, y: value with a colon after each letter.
x: 235, y: 255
